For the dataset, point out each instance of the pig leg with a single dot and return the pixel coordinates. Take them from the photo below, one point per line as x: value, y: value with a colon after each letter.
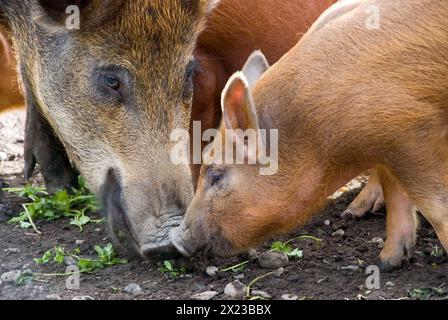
x: 435, y: 210
x: 370, y: 199
x: 402, y: 223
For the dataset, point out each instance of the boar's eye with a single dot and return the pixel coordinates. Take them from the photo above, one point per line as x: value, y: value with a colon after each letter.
x: 111, y: 81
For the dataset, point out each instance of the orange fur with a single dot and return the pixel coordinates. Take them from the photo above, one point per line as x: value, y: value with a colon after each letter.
x: 345, y: 99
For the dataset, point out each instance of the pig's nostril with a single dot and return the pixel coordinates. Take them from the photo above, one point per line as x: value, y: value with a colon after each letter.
x: 160, y: 252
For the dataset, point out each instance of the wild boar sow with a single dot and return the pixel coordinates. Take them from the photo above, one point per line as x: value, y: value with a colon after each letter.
x: 349, y: 97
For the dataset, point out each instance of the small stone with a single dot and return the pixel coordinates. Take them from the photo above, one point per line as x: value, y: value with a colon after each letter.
x: 273, y: 260
x: 351, y: 268
x: 235, y: 290
x: 419, y: 253
x: 3, y: 156
x: 338, y: 233
x: 240, y: 276
x: 83, y: 298
x: 13, y: 250
x: 261, y: 294
x: 133, y: 289
x: 79, y: 242
x: 377, y: 295
x: 323, y: 280
x: 212, y: 271
x: 11, y: 276
x: 53, y: 297
x: 253, y: 254
x: 327, y: 222
x: 70, y: 261
x: 279, y: 272
x: 204, y: 296
x: 289, y: 297
x: 390, y: 284
x: 378, y: 241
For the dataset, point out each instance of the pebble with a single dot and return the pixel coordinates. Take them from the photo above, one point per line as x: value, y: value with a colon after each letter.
x: 70, y: 261
x: 351, y: 268
x: 390, y: 284
x: 323, y: 280
x: 11, y: 276
x: 212, y: 271
x: 338, y: 233
x: 327, y: 222
x: 279, y: 272
x: 204, y: 296
x: 419, y: 253
x: 376, y: 295
x: 289, y: 297
x: 3, y: 156
x: 260, y: 293
x: 253, y: 254
x: 273, y: 260
x: 133, y: 288
x: 83, y: 298
x: 379, y: 241
x: 235, y: 290
x: 80, y: 242
x: 53, y: 297
x: 13, y: 250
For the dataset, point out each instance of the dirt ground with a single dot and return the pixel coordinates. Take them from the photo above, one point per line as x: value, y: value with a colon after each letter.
x: 333, y: 270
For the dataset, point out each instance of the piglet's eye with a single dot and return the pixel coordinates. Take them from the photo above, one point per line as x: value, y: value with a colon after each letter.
x: 215, y: 177
x: 112, y: 81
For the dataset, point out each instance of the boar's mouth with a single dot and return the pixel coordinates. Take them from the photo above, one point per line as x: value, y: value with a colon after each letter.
x: 158, y: 247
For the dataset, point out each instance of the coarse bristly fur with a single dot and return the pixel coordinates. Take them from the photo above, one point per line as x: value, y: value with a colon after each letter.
x: 148, y: 45
x: 347, y: 98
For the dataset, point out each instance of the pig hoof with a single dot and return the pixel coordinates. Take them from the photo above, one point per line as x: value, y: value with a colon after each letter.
x: 386, y: 266
x: 348, y: 215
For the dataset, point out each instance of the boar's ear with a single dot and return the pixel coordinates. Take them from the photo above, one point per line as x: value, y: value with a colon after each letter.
x: 255, y: 67
x: 237, y: 106
x: 56, y: 13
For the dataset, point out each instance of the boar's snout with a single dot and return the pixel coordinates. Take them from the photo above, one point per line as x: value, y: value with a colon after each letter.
x: 121, y: 227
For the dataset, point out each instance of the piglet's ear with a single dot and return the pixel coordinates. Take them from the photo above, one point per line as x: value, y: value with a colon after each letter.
x: 255, y: 67
x: 237, y: 106
x: 56, y: 13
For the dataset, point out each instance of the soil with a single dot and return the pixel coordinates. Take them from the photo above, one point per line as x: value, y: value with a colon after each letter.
x: 320, y: 274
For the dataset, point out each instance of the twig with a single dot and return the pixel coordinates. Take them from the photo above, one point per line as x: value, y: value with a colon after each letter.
x: 319, y: 241
x: 31, y: 219
x: 235, y: 266
x: 249, y: 287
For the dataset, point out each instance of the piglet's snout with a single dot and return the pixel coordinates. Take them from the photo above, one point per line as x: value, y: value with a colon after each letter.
x: 183, y: 240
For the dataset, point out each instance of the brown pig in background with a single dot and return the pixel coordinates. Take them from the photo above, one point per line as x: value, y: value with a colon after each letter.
x: 347, y: 98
